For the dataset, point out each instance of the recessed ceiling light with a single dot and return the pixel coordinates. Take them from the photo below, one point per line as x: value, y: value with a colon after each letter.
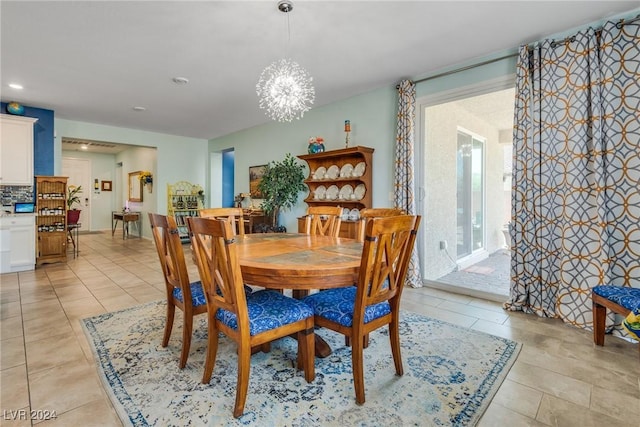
x: 84, y: 147
x: 139, y: 108
x: 15, y: 86
x: 180, y: 80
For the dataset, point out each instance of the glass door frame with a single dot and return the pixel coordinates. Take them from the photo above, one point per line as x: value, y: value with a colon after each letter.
x: 469, y: 227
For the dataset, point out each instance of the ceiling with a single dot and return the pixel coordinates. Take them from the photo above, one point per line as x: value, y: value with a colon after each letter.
x: 93, y: 61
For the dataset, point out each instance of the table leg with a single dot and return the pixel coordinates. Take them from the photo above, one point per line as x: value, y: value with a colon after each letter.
x: 114, y: 224
x: 323, y: 349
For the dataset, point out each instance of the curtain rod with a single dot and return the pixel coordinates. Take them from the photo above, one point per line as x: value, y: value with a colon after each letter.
x: 491, y: 61
x: 468, y: 67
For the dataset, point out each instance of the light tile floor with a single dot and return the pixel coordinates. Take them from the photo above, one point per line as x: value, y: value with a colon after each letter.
x: 559, y: 379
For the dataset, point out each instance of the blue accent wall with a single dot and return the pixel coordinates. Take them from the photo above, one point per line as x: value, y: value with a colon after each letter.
x: 42, y: 138
x: 228, y: 169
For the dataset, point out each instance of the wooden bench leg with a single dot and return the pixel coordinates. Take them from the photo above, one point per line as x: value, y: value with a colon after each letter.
x: 599, y: 318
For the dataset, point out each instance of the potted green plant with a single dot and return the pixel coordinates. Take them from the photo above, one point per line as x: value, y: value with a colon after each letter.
x: 73, y: 214
x: 280, y: 185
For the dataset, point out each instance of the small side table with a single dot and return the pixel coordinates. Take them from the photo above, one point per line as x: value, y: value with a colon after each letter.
x: 126, y: 218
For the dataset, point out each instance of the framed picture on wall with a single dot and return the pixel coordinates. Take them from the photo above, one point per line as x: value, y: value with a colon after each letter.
x: 106, y: 186
x: 135, y: 186
x: 255, y: 175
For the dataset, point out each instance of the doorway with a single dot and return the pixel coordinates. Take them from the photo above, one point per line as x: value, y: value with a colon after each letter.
x: 467, y: 193
x: 79, y: 173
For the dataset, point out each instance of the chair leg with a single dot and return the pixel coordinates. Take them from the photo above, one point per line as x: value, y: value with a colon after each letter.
x: 212, y: 351
x: 187, y: 331
x: 171, y: 310
x: 244, y: 361
x: 306, y: 353
x: 347, y: 341
x: 394, y: 337
x: 599, y: 319
x: 358, y: 368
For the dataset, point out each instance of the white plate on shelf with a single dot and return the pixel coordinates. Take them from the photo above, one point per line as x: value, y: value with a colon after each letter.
x: 345, y: 192
x: 345, y: 214
x: 332, y: 192
x: 319, y: 173
x: 345, y: 171
x: 354, y: 214
x: 333, y: 172
x: 359, y: 169
x: 360, y: 191
x: 320, y: 192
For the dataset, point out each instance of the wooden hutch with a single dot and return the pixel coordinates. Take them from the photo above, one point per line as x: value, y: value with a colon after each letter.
x: 340, y: 178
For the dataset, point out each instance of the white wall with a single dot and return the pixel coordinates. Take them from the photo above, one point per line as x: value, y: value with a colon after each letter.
x: 177, y: 158
x: 373, y: 125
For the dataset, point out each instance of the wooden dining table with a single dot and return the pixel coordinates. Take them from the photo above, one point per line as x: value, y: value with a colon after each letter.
x: 299, y: 262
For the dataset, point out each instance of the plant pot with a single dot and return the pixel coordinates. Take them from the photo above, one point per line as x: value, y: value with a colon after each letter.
x: 73, y: 216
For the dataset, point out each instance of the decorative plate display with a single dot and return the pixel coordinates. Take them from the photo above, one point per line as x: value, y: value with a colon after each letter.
x: 354, y: 214
x: 359, y: 169
x: 319, y: 173
x: 345, y: 192
x: 320, y: 192
x: 345, y: 214
x: 332, y: 192
x: 345, y: 171
x: 360, y: 191
x: 333, y: 172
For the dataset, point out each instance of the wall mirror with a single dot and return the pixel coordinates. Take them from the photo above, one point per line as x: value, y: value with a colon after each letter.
x: 135, y: 187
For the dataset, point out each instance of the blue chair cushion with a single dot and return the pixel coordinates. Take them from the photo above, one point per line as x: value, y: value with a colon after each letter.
x: 337, y: 305
x: 197, y: 294
x: 267, y: 310
x: 627, y: 297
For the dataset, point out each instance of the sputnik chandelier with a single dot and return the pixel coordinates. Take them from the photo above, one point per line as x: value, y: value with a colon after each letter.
x: 285, y: 89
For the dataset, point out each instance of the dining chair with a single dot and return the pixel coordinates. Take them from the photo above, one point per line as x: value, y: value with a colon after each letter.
x: 356, y: 311
x: 368, y: 213
x: 181, y: 292
x: 249, y: 320
x: 323, y: 220
x: 235, y: 217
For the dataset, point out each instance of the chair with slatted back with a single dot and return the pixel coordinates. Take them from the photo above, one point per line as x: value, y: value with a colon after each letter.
x: 323, y: 220
x: 249, y: 320
x: 181, y: 292
x: 375, y: 300
x: 235, y: 217
x: 368, y: 213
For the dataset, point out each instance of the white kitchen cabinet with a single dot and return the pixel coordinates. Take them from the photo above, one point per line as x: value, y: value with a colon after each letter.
x: 20, y: 229
x: 16, y: 150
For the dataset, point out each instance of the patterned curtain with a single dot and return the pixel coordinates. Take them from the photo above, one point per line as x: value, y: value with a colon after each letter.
x: 403, y: 183
x: 576, y: 198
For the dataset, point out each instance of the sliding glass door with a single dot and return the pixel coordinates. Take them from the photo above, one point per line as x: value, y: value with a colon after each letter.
x: 469, y: 194
x: 465, y: 170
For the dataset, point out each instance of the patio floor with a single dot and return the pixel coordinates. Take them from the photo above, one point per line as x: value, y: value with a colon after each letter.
x: 489, y: 276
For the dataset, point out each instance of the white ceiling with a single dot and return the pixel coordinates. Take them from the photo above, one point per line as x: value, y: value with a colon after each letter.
x: 93, y: 61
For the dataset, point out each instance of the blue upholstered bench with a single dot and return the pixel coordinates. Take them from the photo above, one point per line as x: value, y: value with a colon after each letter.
x: 619, y: 299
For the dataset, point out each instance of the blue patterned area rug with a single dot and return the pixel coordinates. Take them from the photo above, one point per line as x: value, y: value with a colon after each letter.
x: 451, y: 375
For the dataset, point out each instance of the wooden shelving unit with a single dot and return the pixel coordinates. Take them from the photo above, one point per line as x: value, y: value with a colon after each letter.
x: 339, y: 158
x: 184, y: 200
x: 51, y: 219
